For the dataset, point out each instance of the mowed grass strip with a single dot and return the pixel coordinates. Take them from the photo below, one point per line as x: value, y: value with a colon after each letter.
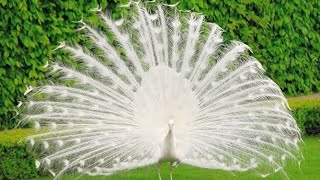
x: 15, y: 135
x: 308, y: 101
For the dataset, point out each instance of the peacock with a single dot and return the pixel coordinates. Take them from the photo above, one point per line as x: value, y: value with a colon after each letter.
x: 160, y: 86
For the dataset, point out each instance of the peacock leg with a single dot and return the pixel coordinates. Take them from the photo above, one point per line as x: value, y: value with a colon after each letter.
x: 176, y: 164
x: 170, y: 170
x: 158, y: 169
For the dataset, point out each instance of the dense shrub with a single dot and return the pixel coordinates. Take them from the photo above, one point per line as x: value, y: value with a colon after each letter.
x: 283, y: 35
x: 306, y: 110
x: 16, y: 162
x: 308, y: 120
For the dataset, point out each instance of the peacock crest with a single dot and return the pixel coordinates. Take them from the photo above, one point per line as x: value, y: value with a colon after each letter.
x: 164, y: 67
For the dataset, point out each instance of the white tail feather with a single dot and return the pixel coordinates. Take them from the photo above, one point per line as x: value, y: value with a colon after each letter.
x: 227, y: 114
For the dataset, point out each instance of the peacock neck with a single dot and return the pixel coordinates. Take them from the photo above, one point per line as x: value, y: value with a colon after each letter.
x: 169, y: 140
x: 170, y: 135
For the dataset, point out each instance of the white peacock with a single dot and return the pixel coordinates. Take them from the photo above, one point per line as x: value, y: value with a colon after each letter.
x: 167, y: 90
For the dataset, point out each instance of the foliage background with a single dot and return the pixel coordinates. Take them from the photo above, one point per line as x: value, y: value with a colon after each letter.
x: 284, y: 36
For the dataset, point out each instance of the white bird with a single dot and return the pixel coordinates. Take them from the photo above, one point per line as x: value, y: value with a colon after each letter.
x: 168, y: 89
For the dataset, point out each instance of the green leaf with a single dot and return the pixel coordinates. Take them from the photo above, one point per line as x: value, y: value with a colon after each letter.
x: 27, y: 42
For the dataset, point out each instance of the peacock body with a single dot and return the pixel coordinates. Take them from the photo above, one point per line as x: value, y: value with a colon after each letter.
x: 169, y: 90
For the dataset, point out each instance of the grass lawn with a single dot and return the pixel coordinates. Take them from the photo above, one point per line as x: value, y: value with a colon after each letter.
x: 304, y: 101
x: 15, y: 135
x: 310, y: 169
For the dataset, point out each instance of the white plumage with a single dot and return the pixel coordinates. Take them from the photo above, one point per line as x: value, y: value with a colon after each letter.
x: 165, y: 68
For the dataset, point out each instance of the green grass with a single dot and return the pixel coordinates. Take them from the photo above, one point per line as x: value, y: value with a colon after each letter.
x: 312, y: 101
x: 15, y: 135
x: 310, y: 169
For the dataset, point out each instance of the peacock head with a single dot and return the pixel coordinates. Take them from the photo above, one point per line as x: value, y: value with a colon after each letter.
x: 170, y: 124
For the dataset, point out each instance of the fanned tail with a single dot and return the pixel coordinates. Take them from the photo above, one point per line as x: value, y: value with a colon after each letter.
x: 111, y: 112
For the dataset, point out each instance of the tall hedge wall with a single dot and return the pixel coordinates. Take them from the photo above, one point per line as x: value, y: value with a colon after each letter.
x: 284, y: 36
x: 29, y: 32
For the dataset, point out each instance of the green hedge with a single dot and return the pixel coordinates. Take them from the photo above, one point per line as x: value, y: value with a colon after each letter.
x: 282, y: 34
x: 16, y: 162
x: 308, y: 120
x: 16, y: 159
x: 306, y: 111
